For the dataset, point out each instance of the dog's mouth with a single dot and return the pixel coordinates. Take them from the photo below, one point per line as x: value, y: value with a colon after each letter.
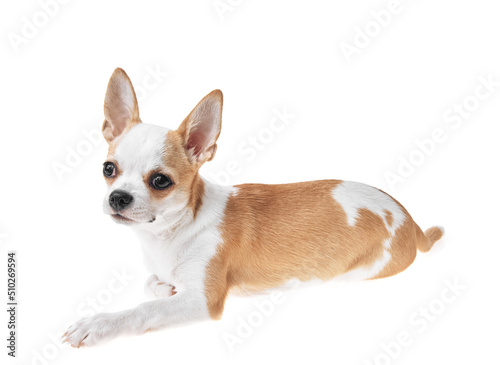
x: 122, y: 219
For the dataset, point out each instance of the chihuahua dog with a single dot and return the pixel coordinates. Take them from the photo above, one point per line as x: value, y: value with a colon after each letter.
x: 201, y: 241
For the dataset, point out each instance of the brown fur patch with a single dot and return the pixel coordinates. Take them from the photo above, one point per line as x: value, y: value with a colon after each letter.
x: 186, y: 176
x: 389, y: 218
x: 403, y: 249
x: 274, y: 233
x: 427, y: 239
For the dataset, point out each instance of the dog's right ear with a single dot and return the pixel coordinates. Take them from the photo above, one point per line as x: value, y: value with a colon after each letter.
x: 120, y: 106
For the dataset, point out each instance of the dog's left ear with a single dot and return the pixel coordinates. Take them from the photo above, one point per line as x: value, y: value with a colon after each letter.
x: 120, y: 106
x: 201, y: 128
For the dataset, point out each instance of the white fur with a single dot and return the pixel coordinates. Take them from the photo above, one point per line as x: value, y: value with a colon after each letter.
x: 155, y: 288
x: 353, y: 196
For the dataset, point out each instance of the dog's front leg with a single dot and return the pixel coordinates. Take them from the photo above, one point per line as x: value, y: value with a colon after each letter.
x: 181, y: 308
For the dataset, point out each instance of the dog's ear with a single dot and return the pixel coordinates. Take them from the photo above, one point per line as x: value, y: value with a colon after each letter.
x: 120, y: 106
x: 201, y: 128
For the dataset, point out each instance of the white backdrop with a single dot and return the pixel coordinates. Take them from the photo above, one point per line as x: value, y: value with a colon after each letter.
x: 402, y: 95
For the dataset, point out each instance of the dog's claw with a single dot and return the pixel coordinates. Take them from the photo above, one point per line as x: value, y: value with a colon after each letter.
x: 93, y: 330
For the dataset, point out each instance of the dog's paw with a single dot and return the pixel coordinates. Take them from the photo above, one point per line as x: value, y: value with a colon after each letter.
x: 92, y: 330
x: 158, y: 289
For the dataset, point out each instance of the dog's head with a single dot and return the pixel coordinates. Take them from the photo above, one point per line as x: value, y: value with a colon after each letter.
x: 151, y: 171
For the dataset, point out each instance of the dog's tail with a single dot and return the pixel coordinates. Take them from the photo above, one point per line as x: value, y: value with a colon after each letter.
x: 425, y: 240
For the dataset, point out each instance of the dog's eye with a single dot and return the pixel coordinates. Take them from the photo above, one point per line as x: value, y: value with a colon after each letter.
x: 109, y: 169
x: 160, y: 181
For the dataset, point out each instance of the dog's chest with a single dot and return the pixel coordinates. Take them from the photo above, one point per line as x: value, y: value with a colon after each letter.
x: 181, y: 263
x: 161, y: 258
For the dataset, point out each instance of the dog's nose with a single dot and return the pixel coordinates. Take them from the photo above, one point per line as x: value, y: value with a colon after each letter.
x: 120, y: 199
